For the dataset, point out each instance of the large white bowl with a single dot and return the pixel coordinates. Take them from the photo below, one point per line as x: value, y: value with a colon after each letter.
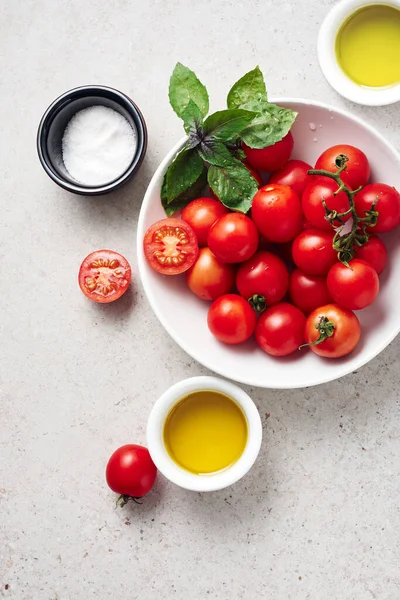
x: 184, y: 316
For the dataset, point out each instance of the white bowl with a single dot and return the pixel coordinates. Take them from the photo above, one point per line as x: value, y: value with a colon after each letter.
x: 327, y: 57
x: 213, y: 481
x: 184, y: 316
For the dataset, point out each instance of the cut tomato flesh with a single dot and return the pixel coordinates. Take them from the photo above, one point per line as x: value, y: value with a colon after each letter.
x: 170, y: 246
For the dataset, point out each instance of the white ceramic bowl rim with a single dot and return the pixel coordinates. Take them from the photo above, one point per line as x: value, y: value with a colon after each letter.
x: 327, y: 57
x: 162, y: 460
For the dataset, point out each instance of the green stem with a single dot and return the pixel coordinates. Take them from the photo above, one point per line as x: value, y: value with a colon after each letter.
x: 258, y: 303
x: 326, y: 329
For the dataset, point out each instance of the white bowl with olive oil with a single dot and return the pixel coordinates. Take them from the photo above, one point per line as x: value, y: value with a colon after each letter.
x: 359, y: 50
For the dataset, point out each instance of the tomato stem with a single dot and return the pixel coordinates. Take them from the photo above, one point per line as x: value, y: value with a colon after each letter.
x: 326, y: 329
x: 123, y: 499
x: 258, y: 303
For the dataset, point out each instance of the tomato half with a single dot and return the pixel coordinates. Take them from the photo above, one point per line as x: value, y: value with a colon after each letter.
x: 201, y: 214
x: 210, y: 278
x: 294, y: 174
x: 387, y: 204
x: 324, y: 189
x: 276, y: 210
x: 264, y: 274
x: 170, y: 246
x: 307, y: 292
x: 272, y: 157
x: 312, y: 251
x: 280, y: 329
x: 355, y: 286
x: 231, y: 319
x: 357, y: 167
x: 130, y: 471
x: 374, y: 252
x: 104, y: 276
x: 233, y: 238
x: 338, y: 327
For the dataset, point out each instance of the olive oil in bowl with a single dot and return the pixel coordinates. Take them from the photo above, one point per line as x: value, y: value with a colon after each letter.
x: 368, y: 46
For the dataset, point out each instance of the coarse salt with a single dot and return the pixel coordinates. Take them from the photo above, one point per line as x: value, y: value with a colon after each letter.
x: 98, y: 145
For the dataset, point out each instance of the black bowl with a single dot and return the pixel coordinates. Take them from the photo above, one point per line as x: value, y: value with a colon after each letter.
x: 57, y: 117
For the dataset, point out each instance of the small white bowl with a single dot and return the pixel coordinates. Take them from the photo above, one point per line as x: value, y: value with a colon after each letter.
x: 327, y: 57
x: 181, y: 477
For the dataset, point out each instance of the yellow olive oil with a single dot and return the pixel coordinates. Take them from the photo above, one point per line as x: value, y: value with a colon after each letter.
x: 205, y: 432
x: 368, y: 46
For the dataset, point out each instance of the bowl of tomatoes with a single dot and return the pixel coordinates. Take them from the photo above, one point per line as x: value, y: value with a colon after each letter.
x: 303, y: 288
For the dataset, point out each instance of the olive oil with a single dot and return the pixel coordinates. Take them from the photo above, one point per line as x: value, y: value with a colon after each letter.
x: 368, y: 46
x: 205, y: 432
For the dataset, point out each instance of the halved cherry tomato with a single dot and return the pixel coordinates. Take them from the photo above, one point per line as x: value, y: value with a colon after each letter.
x: 264, y: 274
x: 355, y: 286
x: 210, y: 278
x: 307, y: 292
x: 170, y: 246
x: 233, y: 238
x: 337, y: 327
x: 276, y: 210
x: 294, y: 174
x: 312, y: 251
x: 231, y: 319
x: 280, y: 329
x: 374, y: 252
x: 201, y: 214
x: 385, y: 200
x: 104, y: 276
x: 272, y: 157
x: 357, y: 167
x: 324, y: 189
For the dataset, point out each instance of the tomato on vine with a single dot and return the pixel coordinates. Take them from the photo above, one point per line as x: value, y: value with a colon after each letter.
x: 354, y: 286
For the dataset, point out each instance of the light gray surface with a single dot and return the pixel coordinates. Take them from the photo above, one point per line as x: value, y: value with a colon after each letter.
x: 318, y: 516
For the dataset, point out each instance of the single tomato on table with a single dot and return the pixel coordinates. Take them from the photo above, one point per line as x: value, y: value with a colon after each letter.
x: 373, y: 252
x: 233, y: 238
x: 104, y: 276
x: 276, y: 210
x: 294, y: 174
x: 265, y: 275
x: 270, y: 158
x: 231, y: 319
x: 170, y: 246
x: 280, y: 329
x: 312, y: 251
x: 210, y: 278
x: 307, y: 292
x: 332, y: 331
x: 324, y: 190
x: 357, y: 167
x: 201, y: 214
x: 355, y: 286
x: 383, y: 199
x: 130, y: 472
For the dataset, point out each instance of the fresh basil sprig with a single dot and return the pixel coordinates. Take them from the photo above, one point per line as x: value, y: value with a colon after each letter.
x: 213, y: 149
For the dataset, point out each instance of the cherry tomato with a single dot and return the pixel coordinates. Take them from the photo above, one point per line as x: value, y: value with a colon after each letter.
x: 387, y: 204
x: 233, y: 238
x: 342, y: 326
x: 201, y: 214
x: 104, y: 276
x: 272, y: 157
x: 280, y: 329
x: 357, y: 167
x: 307, y: 292
x: 264, y: 274
x: 321, y: 189
x: 294, y: 174
x: 170, y: 246
x: 312, y: 251
x: 130, y: 471
x: 373, y: 252
x: 255, y: 174
x: 210, y: 278
x: 276, y: 210
x: 355, y: 286
x: 231, y: 319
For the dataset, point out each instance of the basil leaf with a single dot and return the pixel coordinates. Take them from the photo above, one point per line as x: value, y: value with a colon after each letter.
x: 227, y: 124
x: 194, y: 191
x: 182, y: 173
x: 193, y: 124
x: 215, y: 153
x: 270, y: 125
x: 183, y: 87
x: 233, y: 185
x: 250, y: 87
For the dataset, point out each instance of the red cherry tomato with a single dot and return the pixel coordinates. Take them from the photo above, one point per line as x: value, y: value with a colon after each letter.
x: 294, y: 174
x: 131, y: 471
x: 170, y: 246
x: 201, y: 214
x: 264, y: 274
x: 255, y: 174
x: 210, y: 278
x: 233, y: 238
x: 307, y: 292
x: 387, y: 204
x: 231, y: 319
x: 272, y: 157
x: 357, y: 167
x: 325, y: 189
x: 104, y: 276
x: 373, y: 252
x: 341, y: 323
x: 276, y: 210
x: 280, y: 329
x: 355, y: 286
x: 312, y: 251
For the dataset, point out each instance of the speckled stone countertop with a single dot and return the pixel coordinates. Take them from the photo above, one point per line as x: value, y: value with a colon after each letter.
x: 318, y: 516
